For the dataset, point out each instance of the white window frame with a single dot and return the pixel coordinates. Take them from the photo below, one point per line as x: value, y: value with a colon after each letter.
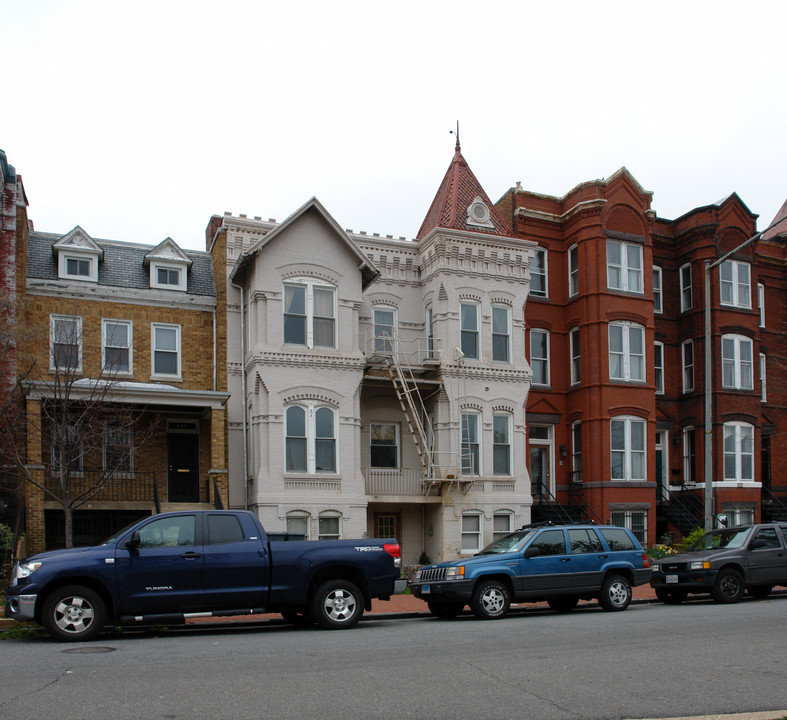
x: 687, y: 365
x: 502, y: 524
x: 738, y: 452
x: 658, y: 367
x: 658, y: 297
x: 430, y: 348
x: 686, y: 297
x: 541, y: 362
x: 329, y: 515
x: 156, y: 265
x: 498, y: 421
x: 630, y: 274
x: 63, y: 260
x: 299, y: 517
x: 471, y: 420
x: 385, y: 333
x: 53, y: 321
x: 506, y: 334
x: 629, y: 360
x: 540, y: 272
x: 474, y: 332
x: 310, y: 410
x: 761, y: 303
x: 309, y: 285
x: 469, y: 533
x: 575, y: 351
x: 573, y: 270
x: 735, y: 365
x: 689, y: 438
x: 630, y: 455
x: 738, y: 516
x: 734, y: 290
x: 106, y: 345
x: 763, y: 393
x: 154, y: 349
x: 397, y: 461
x: 576, y: 451
x: 627, y: 517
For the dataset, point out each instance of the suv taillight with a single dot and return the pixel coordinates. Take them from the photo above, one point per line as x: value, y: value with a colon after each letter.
x: 645, y: 561
x: 395, y: 552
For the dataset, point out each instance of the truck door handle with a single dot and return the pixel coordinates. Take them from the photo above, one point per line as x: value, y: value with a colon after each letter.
x: 565, y: 559
x: 603, y: 557
x: 190, y: 555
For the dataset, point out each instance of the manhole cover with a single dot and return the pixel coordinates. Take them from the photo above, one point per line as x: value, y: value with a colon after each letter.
x: 89, y: 650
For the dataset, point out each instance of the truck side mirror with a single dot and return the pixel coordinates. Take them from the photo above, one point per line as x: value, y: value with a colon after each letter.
x: 532, y: 552
x: 756, y: 543
x: 134, y: 541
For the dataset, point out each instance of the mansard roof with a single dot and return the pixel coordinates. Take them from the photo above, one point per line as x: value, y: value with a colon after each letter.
x: 778, y: 226
x: 78, y: 240
x: 368, y: 271
x: 457, y: 201
x: 123, y: 263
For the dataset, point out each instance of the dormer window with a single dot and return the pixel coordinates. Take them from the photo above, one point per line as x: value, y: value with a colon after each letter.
x: 168, y: 266
x: 78, y: 256
x: 478, y: 214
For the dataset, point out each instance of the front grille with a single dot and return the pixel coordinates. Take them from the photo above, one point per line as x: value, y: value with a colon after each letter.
x: 431, y: 574
x: 672, y: 567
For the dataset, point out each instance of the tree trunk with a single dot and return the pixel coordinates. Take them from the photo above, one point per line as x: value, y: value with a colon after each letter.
x: 68, y: 515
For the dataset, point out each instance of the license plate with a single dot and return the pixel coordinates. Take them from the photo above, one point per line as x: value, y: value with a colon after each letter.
x: 426, y: 589
x: 671, y: 579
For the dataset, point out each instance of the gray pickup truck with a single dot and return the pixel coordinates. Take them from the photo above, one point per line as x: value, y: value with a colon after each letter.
x: 726, y: 563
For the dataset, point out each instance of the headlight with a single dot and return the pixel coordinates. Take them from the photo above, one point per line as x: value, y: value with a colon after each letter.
x: 656, y: 568
x: 417, y: 574
x: 23, y: 570
x: 699, y: 565
x: 456, y: 572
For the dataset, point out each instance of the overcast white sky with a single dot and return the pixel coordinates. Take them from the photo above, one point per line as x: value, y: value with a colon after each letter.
x: 140, y: 120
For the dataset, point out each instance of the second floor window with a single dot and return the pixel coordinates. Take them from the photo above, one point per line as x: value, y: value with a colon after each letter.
x: 501, y: 331
x: 471, y: 446
x: 573, y: 270
x: 65, y: 350
x: 626, y: 352
x: 576, y: 373
x: 310, y: 439
x: 538, y: 274
x: 539, y: 356
x: 166, y: 350
x: 735, y: 283
x: 469, y: 329
x: 624, y: 266
x: 657, y: 299
x: 738, y: 452
x: 687, y: 352
x: 658, y: 365
x: 761, y: 303
x: 576, y: 451
x: 501, y: 444
x: 384, y: 329
x: 116, y: 336
x: 309, y: 314
x: 737, y: 362
x: 384, y: 445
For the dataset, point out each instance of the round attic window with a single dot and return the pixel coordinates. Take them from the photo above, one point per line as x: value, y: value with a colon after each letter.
x: 479, y: 212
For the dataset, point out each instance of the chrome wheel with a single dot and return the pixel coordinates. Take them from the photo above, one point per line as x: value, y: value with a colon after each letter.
x: 74, y: 613
x: 491, y: 600
x: 337, y: 604
x: 615, y: 593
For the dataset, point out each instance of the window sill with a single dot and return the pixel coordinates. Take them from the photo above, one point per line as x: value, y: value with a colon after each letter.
x: 166, y: 378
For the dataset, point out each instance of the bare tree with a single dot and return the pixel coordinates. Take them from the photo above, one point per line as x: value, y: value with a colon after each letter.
x: 89, y: 434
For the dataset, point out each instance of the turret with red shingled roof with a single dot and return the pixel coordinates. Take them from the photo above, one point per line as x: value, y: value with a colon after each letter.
x: 778, y: 227
x: 462, y: 204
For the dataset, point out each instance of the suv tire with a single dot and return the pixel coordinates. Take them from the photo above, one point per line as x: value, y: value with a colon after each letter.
x: 615, y: 593
x: 491, y: 600
x: 446, y: 610
x: 729, y: 586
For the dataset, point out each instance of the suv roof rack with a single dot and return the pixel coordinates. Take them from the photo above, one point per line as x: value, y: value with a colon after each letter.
x: 542, y: 523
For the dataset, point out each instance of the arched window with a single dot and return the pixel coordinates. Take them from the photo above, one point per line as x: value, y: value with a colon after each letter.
x: 310, y: 438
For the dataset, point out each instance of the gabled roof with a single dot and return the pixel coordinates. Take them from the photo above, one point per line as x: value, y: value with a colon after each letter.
x: 368, y: 271
x: 459, y: 192
x: 168, y: 251
x: 78, y: 240
x: 779, y: 224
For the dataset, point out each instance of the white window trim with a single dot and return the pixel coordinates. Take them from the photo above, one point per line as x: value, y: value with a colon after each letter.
x: 763, y: 393
x: 509, y: 426
x: 658, y: 353
x: 62, y: 266
x: 311, y: 408
x: 478, y: 443
x: 383, y: 343
x: 397, y: 446
x: 624, y: 268
x: 628, y: 451
x: 156, y: 265
x: 164, y: 376
x: 687, y: 386
x: 130, y: 347
x: 687, y: 435
x: 737, y: 362
x: 309, y: 284
x: 626, y: 353
x: 330, y: 514
x: 478, y: 533
x: 761, y: 303
x: 736, y: 428
x: 735, y: 284
x: 544, y: 274
x: 575, y: 351
x: 477, y: 331
x: 507, y: 333
x: 509, y: 516
x: 576, y: 452
x: 573, y: 274
x: 658, y: 290
x: 298, y: 515
x: 686, y: 288
x: 546, y: 360
x: 52, y: 319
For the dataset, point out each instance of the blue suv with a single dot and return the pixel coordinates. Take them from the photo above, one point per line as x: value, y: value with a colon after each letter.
x: 561, y: 564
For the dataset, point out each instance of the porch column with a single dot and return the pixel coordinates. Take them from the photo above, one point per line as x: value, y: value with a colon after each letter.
x: 218, y: 475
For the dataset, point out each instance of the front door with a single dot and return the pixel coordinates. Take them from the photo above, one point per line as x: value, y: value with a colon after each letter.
x: 388, y: 525
x: 540, y: 440
x: 183, y: 467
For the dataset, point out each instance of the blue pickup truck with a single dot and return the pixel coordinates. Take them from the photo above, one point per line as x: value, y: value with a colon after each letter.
x: 171, y: 567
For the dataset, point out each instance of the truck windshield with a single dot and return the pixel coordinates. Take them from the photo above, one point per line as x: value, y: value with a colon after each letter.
x: 722, y: 539
x: 509, y: 543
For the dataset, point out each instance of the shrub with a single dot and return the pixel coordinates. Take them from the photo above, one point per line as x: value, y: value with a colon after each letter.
x: 690, y: 539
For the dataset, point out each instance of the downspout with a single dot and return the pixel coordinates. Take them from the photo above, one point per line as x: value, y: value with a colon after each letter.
x: 243, y: 392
